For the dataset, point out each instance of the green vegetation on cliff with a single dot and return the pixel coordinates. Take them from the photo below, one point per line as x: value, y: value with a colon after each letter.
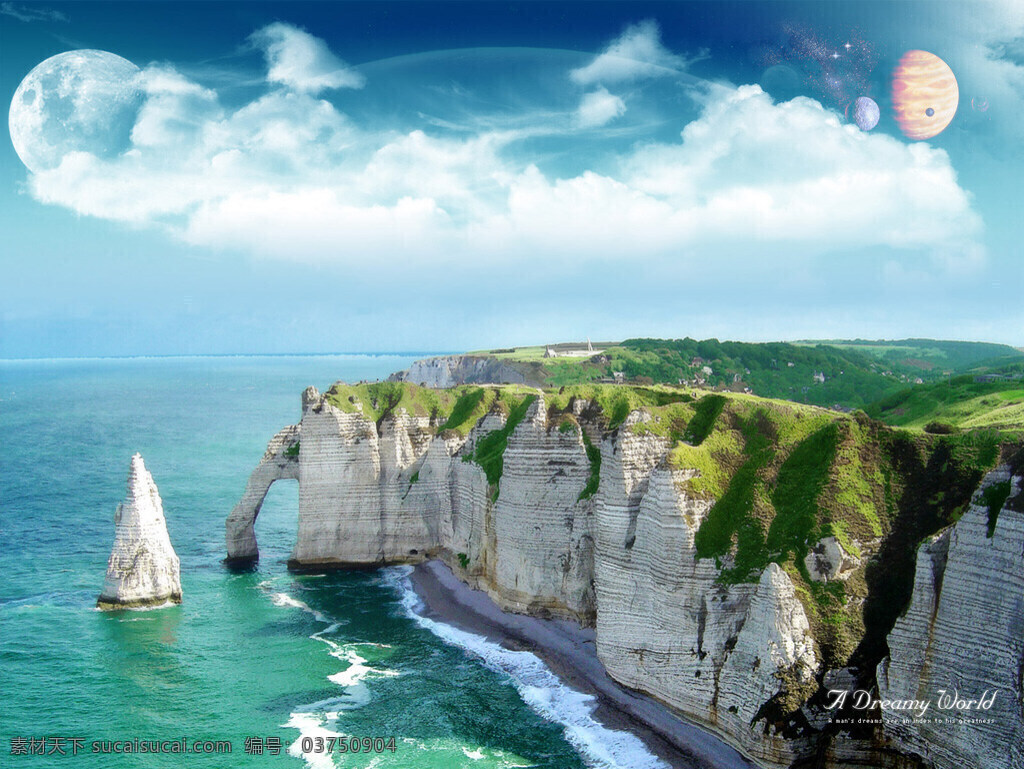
x: 780, y: 477
x: 594, y: 457
x: 490, y: 449
x: 757, y: 477
x: 783, y: 477
x: 995, y: 497
x: 611, y: 404
x: 705, y: 414
x: 851, y: 374
x: 469, y: 409
x: 960, y: 403
x: 377, y: 400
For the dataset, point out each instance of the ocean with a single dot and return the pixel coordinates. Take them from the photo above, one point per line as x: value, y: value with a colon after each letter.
x: 253, y: 666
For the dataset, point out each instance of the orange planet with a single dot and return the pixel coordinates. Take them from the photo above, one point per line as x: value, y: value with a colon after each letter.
x: 924, y: 94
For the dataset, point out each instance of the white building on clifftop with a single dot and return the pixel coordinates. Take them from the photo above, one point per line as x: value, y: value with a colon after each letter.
x: 571, y: 350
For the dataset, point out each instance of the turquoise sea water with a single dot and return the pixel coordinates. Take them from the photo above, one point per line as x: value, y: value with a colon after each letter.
x: 262, y: 654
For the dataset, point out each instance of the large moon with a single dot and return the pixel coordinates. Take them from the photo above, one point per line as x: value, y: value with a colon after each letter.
x: 924, y: 94
x: 78, y: 101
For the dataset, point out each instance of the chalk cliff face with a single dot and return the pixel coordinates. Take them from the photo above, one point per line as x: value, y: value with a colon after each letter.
x: 963, y: 637
x: 280, y: 461
x: 143, y: 569
x: 451, y: 370
x: 714, y: 652
x: 740, y: 658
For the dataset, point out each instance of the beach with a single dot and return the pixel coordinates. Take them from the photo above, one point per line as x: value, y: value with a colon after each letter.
x: 570, y: 652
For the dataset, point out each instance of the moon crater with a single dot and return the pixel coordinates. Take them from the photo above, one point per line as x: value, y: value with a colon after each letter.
x: 77, y: 101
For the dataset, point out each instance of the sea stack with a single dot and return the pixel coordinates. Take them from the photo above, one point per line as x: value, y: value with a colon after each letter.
x: 143, y: 569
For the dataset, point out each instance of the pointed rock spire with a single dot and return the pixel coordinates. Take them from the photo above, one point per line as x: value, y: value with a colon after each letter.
x: 143, y: 569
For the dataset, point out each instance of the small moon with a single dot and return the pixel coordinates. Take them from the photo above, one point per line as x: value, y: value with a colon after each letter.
x: 77, y: 101
x: 925, y: 95
x: 865, y: 113
x: 781, y: 81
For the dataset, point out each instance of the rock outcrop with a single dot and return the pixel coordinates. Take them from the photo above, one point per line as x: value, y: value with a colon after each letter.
x: 280, y: 461
x: 143, y: 569
x: 962, y: 639
x: 451, y: 370
x: 738, y: 656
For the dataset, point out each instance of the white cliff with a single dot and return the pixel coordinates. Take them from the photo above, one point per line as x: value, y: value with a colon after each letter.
x: 543, y: 543
x: 143, y: 569
x: 717, y: 653
x: 280, y: 461
x: 963, y: 636
x: 451, y: 370
x: 738, y: 659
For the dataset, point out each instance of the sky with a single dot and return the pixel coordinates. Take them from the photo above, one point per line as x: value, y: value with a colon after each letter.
x: 422, y: 176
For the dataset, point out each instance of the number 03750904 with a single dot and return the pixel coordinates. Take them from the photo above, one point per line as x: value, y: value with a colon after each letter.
x: 347, y: 744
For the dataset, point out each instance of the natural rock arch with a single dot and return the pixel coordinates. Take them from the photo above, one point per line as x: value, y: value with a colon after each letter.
x: 280, y: 462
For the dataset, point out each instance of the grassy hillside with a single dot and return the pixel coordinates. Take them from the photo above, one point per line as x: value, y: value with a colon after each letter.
x: 851, y: 374
x: 927, y: 354
x: 959, y: 403
x: 783, y: 476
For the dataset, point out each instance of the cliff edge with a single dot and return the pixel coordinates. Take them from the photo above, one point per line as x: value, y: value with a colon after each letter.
x: 740, y: 559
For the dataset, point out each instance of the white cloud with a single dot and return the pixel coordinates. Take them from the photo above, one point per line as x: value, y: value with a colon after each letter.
x: 288, y: 176
x: 990, y: 64
x: 637, y: 53
x: 316, y: 223
x: 30, y: 14
x: 793, y: 171
x: 749, y: 174
x: 175, y: 109
x: 598, y: 108
x: 300, y: 61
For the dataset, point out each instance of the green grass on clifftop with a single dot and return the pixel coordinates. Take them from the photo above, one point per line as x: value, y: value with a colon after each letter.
x: 376, y: 400
x: 472, y: 404
x: 613, y: 403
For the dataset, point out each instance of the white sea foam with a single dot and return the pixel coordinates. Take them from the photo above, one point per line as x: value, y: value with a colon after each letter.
x: 283, y: 599
x: 150, y: 607
x: 312, y: 720
x: 540, y: 689
x: 310, y: 725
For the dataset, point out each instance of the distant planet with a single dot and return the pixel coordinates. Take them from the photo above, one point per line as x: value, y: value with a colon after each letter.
x: 781, y: 81
x: 84, y: 101
x: 865, y: 113
x: 924, y: 95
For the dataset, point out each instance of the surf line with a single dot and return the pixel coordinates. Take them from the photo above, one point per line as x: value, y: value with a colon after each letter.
x: 312, y: 720
x: 541, y: 690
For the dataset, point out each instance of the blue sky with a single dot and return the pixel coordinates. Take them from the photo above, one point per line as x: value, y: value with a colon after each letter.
x: 317, y: 177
